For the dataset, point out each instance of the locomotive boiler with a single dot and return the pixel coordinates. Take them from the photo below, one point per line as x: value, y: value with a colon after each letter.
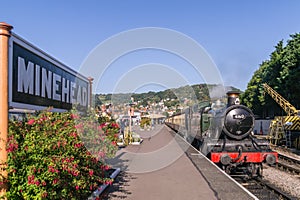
x: 224, y: 135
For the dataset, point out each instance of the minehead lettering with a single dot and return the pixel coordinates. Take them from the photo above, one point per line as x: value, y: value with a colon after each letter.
x: 25, y: 76
x: 37, y: 80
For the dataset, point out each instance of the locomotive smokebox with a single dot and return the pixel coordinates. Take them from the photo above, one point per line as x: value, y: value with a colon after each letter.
x: 233, y: 98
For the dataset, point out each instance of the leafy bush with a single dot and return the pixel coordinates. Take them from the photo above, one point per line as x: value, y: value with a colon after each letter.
x: 103, y: 119
x: 111, y: 130
x: 145, y: 121
x: 56, y: 156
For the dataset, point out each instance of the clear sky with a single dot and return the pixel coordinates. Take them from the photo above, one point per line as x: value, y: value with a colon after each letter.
x: 237, y: 35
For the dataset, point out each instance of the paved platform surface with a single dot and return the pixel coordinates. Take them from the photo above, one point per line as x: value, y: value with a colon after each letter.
x: 166, y: 167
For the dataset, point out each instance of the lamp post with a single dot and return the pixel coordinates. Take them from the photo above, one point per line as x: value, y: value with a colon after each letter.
x: 130, y: 113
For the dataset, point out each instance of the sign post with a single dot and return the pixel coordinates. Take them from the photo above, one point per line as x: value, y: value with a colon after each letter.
x: 5, y: 33
x: 91, y: 79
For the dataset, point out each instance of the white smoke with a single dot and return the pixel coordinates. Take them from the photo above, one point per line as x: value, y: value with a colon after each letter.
x: 217, y: 92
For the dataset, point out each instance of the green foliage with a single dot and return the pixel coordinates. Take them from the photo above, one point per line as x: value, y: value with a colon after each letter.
x: 197, y: 92
x: 111, y: 129
x: 103, y: 119
x: 56, y: 156
x: 281, y: 72
x: 171, y: 103
x: 145, y: 121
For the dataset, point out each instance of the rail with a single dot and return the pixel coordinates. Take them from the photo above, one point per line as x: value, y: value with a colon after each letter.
x: 288, y: 164
x: 263, y: 189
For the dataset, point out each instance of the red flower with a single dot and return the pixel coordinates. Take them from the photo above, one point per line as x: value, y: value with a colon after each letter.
x: 78, y: 145
x: 115, y: 125
x: 105, y: 167
x: 42, y: 119
x: 30, y: 179
x: 55, y: 181
x: 78, y: 126
x: 31, y: 121
x: 91, y: 172
x: 51, y: 169
x: 108, y: 182
x: 37, y: 183
x: 45, y: 194
x: 101, y: 154
x: 102, y: 125
x: 73, y: 134
x: 11, y: 147
x: 73, y: 116
x: 77, y: 187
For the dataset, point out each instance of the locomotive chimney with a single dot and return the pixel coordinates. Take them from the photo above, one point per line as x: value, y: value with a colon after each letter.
x: 233, y: 98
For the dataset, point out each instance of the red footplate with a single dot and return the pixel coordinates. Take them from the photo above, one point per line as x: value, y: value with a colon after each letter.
x: 253, y: 157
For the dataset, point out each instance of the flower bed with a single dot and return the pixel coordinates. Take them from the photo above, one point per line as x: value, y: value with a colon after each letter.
x: 57, y: 156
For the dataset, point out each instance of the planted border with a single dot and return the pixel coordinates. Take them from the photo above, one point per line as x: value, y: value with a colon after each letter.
x: 57, y: 156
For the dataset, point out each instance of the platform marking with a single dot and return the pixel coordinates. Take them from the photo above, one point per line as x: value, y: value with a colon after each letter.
x: 196, y: 154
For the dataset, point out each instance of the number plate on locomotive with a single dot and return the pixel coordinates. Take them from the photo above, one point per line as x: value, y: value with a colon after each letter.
x: 242, y: 116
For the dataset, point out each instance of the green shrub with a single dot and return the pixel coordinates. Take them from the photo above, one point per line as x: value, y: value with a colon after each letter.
x: 56, y: 156
x: 111, y: 129
x: 145, y: 121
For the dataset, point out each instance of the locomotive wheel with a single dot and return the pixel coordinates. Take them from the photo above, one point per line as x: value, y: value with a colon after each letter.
x: 227, y: 169
x: 260, y: 170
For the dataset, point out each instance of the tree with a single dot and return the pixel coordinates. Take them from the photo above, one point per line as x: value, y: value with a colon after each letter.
x: 281, y: 72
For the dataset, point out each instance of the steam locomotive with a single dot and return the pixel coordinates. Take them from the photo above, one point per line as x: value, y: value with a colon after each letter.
x: 224, y: 134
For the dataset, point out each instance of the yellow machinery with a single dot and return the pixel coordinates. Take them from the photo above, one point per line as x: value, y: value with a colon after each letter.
x: 282, y: 126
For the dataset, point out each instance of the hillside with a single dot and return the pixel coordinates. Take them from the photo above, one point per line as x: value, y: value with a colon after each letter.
x: 181, y: 95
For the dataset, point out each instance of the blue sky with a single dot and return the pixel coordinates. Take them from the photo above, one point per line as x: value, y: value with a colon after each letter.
x: 237, y: 35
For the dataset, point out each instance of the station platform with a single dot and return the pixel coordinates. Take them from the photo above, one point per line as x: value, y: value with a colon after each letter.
x: 164, y: 166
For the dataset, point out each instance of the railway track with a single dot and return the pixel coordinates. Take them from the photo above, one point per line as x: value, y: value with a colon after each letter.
x: 288, y: 164
x: 263, y: 189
